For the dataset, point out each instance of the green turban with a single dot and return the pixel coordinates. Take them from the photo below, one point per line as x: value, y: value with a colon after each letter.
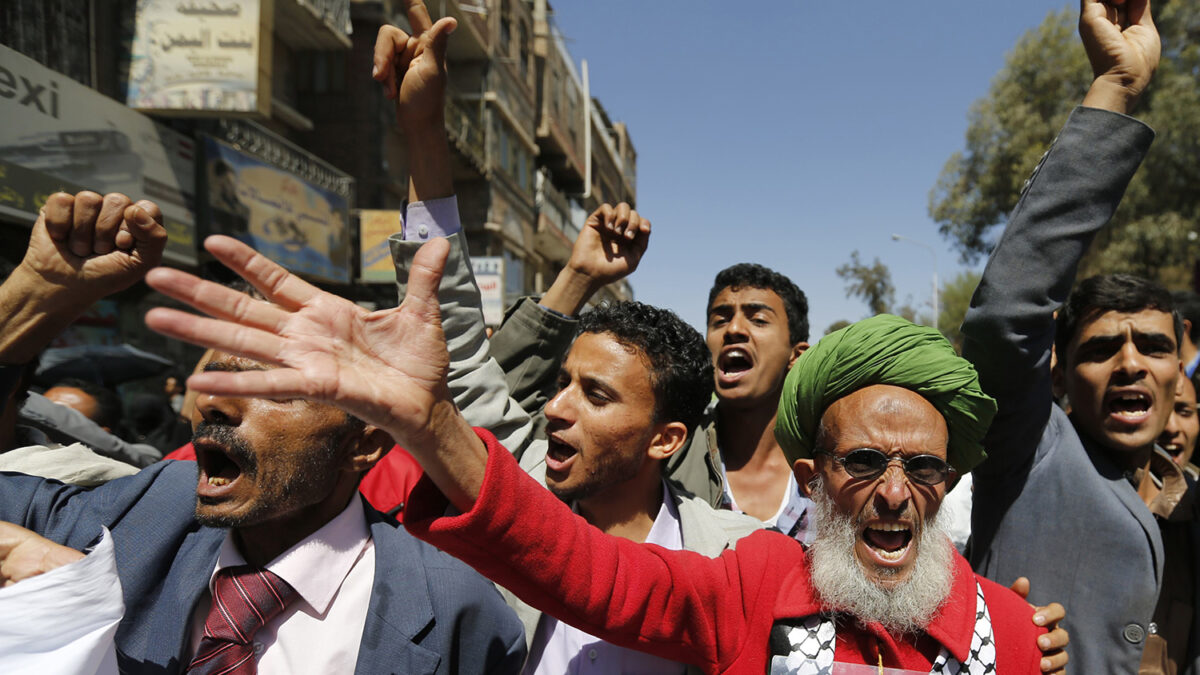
x: 885, y: 349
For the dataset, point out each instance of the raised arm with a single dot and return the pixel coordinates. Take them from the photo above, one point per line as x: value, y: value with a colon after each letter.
x: 412, y: 70
x: 1072, y: 193
x: 533, y: 341
x: 81, y: 248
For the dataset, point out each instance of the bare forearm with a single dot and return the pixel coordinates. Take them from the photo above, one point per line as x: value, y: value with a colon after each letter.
x: 32, y: 313
x: 1111, y: 94
x: 569, y: 293
x: 430, y: 175
x: 453, y: 456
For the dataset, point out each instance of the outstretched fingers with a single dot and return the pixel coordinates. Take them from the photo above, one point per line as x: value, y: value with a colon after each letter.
x: 216, y: 300
x: 272, y: 280
x: 232, y: 338
x: 272, y: 383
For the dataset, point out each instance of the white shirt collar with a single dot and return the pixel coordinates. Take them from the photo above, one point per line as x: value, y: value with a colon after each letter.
x: 666, y: 530
x: 333, y: 549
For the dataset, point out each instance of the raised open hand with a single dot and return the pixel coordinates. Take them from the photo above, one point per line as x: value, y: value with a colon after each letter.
x: 1122, y: 44
x: 92, y: 246
x: 387, y: 367
x: 412, y: 68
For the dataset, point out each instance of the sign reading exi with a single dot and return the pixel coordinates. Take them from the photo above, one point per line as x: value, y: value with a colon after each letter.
x: 29, y: 92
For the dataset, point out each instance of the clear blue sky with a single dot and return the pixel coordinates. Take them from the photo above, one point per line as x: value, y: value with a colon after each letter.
x: 792, y: 133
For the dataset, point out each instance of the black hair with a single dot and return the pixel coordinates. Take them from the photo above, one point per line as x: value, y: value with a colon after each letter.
x: 751, y: 275
x: 680, y: 364
x: 1102, y: 293
x: 1187, y: 304
x: 109, y: 411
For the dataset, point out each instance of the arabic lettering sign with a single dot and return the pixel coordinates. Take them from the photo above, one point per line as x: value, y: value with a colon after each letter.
x: 291, y: 221
x: 194, y: 55
x: 61, y: 135
x: 489, y: 274
x: 375, y: 255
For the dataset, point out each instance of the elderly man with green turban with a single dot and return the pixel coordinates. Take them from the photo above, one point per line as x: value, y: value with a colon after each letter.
x: 876, y: 420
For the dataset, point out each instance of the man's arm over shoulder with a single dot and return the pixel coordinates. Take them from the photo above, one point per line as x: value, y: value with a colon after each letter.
x: 564, y: 567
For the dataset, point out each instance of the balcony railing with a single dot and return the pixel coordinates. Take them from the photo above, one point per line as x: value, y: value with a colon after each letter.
x: 465, y: 129
x: 564, y: 213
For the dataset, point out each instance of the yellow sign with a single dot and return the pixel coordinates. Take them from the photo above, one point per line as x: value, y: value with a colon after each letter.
x: 374, y: 228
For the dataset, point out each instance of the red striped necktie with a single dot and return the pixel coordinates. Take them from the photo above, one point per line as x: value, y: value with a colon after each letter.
x: 244, y: 599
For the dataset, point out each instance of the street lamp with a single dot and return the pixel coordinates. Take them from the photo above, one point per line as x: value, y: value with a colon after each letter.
x: 927, y: 247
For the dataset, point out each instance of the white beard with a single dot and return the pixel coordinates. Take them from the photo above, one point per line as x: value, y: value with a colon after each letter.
x: 840, y: 580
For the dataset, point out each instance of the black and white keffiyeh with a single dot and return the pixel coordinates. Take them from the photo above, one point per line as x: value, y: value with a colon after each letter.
x: 806, y: 646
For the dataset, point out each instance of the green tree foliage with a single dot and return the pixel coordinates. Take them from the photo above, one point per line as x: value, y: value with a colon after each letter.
x: 836, y: 326
x: 955, y: 298
x: 870, y: 283
x: 1154, y: 232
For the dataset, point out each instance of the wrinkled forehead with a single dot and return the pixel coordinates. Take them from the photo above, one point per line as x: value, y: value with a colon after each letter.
x: 1113, y: 324
x: 885, y: 417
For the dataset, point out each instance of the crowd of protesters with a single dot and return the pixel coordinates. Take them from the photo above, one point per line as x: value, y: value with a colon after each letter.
x: 606, y: 489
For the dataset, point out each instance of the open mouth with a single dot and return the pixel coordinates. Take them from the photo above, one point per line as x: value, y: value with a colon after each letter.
x: 1128, y: 407
x: 1173, y: 449
x: 559, y: 454
x: 888, y: 541
x: 218, y: 470
x: 733, y: 363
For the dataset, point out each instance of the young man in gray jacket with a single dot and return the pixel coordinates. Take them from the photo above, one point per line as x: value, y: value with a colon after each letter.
x: 1069, y: 499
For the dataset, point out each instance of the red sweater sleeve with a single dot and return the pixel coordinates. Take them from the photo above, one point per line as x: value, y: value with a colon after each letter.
x: 684, y: 606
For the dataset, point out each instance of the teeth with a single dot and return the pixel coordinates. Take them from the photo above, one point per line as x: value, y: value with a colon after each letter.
x: 217, y: 481
x: 891, y: 556
x: 890, y: 527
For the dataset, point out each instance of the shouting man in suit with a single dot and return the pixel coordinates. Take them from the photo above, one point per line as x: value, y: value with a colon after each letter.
x: 260, y: 556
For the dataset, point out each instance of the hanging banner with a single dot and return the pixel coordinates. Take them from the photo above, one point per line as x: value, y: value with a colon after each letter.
x: 192, y: 56
x: 60, y: 135
x: 294, y: 222
x: 375, y: 254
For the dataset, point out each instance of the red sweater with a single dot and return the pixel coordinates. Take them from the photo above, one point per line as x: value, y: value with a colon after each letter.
x: 715, y: 613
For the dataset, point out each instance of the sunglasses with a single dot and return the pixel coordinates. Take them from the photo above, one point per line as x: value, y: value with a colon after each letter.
x: 869, y: 464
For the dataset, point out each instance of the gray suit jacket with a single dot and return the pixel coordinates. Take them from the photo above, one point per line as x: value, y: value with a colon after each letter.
x: 429, y: 613
x: 1048, y: 504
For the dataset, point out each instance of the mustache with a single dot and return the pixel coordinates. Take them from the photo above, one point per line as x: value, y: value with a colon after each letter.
x: 227, y: 436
